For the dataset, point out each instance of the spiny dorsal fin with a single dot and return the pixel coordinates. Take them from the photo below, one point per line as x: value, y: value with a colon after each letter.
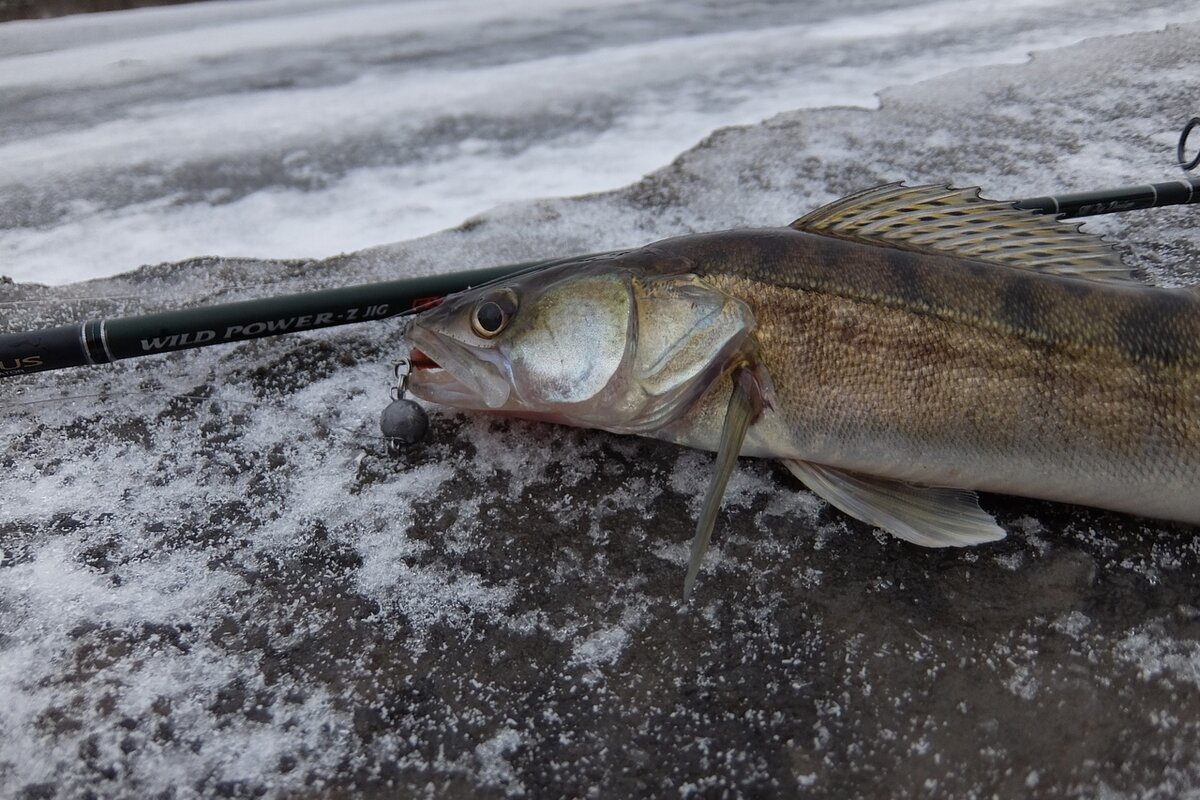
x: 947, y: 221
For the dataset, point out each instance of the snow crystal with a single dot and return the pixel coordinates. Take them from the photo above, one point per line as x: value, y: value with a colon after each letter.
x: 216, y: 581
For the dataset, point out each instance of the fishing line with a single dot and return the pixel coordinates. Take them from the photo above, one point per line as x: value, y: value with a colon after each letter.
x: 110, y: 395
x: 108, y: 298
x: 52, y: 300
x: 353, y: 437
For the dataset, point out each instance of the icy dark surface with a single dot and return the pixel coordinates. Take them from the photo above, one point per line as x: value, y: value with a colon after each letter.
x: 215, y: 582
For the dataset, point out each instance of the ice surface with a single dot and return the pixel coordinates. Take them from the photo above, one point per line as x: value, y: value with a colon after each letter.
x: 215, y: 582
x: 277, y: 129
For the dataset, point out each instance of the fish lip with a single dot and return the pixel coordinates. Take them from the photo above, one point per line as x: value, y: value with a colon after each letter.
x: 444, y: 371
x: 427, y: 374
x: 420, y: 360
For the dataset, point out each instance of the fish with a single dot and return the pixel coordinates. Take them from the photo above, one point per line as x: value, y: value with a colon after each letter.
x: 898, y: 351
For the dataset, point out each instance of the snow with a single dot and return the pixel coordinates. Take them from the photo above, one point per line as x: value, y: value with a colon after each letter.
x: 279, y: 130
x: 215, y: 582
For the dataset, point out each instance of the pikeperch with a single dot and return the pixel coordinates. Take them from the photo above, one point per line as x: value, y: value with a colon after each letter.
x: 898, y: 350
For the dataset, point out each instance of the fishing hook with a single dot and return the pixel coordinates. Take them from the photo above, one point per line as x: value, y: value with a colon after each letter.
x: 1181, y: 151
x: 403, y: 422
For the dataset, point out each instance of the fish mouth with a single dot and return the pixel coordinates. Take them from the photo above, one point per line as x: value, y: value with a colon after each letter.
x: 429, y: 381
x: 419, y: 361
x: 448, y: 373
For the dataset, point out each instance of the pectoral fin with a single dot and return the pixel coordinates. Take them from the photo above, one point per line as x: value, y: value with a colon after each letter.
x: 928, y: 516
x: 745, y: 404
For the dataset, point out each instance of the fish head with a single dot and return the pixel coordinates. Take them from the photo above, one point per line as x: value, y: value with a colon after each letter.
x: 603, y: 343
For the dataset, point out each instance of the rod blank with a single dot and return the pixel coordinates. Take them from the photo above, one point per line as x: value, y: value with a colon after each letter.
x: 1110, y: 201
x: 103, y: 341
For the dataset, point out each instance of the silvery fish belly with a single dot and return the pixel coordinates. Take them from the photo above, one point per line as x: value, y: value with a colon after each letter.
x: 897, y: 350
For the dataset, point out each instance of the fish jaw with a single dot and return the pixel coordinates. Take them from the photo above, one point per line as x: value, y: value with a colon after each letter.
x: 556, y: 357
x: 450, y: 374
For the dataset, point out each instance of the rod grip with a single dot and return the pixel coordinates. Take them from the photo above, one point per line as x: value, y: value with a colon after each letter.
x: 45, y: 349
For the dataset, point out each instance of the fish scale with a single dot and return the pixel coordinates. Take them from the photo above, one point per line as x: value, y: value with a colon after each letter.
x: 893, y: 368
x: 878, y: 388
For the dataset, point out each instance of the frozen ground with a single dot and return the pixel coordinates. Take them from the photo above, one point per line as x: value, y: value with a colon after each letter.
x: 215, y: 583
x: 285, y: 128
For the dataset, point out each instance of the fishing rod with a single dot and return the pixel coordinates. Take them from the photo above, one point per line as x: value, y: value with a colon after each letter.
x: 1129, y: 198
x: 103, y: 341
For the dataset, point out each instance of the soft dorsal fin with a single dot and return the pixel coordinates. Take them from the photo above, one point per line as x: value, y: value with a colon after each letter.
x: 947, y: 221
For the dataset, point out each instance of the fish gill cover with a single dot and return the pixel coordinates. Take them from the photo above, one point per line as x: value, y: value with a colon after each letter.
x: 215, y: 582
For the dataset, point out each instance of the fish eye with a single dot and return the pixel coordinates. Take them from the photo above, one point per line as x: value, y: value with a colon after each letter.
x: 492, y: 314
